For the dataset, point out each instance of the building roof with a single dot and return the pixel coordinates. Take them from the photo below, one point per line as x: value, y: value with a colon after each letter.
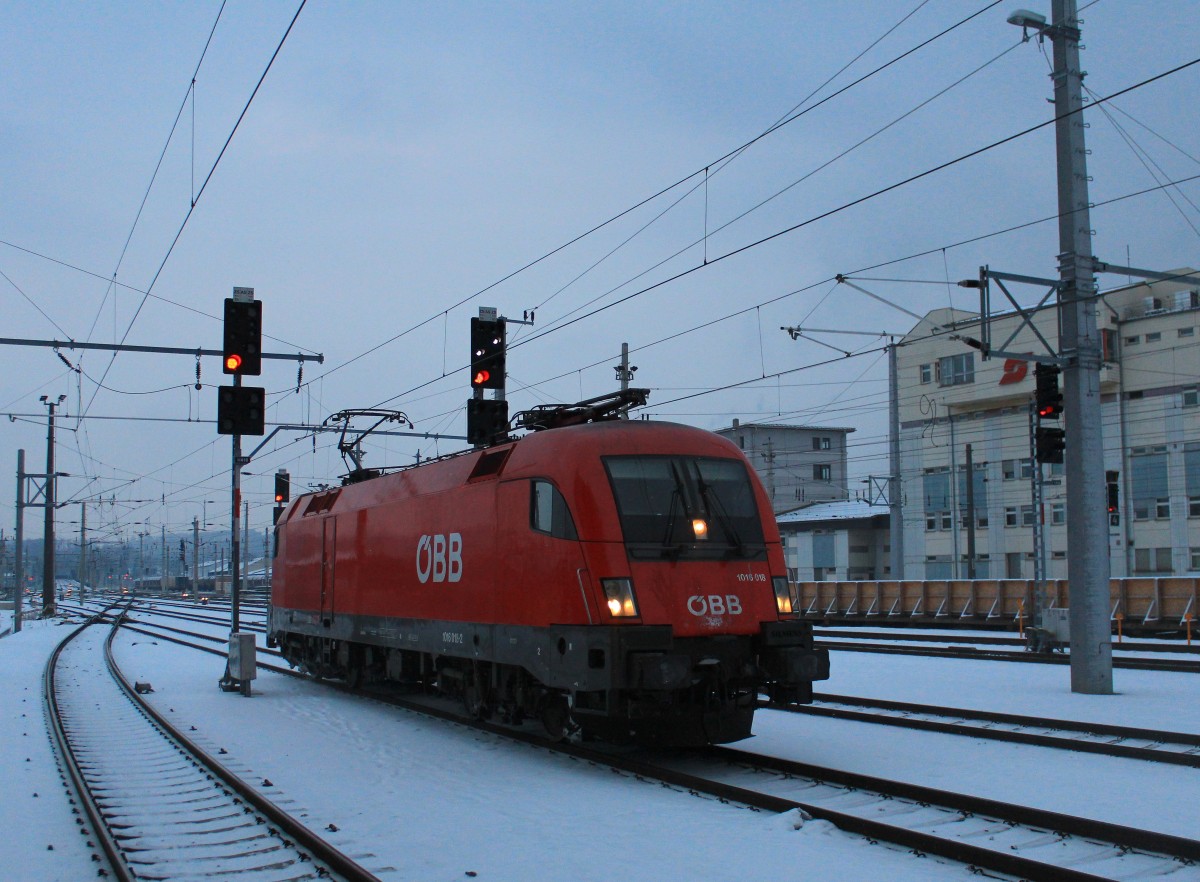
x: 845, y: 510
x: 741, y: 425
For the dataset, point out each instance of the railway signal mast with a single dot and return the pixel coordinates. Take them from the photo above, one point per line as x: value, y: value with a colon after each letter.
x: 240, y: 411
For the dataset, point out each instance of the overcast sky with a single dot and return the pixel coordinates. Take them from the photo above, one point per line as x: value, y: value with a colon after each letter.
x: 401, y: 160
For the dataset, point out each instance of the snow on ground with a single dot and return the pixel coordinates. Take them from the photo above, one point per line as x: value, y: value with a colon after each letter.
x: 432, y: 800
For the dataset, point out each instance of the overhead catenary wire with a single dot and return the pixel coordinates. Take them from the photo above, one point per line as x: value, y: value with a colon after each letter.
x: 667, y: 189
x: 198, y: 195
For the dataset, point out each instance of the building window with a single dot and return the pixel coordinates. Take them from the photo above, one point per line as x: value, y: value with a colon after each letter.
x: 1132, y: 341
x: 937, y: 521
x: 1058, y: 513
x: 1191, y: 477
x: 1152, y: 560
x: 820, y: 443
x: 742, y: 441
x: 937, y: 566
x: 1017, y: 468
x: 1148, y: 476
x: 956, y: 370
x: 1191, y: 397
x: 926, y: 373
x: 1058, y: 555
x: 1154, y: 336
x: 936, y: 489
x: 1195, y: 564
x: 821, y: 471
x: 1187, y: 332
x: 1018, y: 516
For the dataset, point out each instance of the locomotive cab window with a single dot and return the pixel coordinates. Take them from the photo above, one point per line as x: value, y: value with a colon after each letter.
x: 686, y: 507
x: 548, y: 512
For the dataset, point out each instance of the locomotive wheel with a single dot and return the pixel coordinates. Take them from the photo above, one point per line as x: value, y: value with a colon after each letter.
x: 556, y: 718
x: 475, y: 694
x: 474, y: 702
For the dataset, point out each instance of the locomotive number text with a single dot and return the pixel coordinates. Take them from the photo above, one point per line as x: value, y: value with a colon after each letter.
x: 439, y: 558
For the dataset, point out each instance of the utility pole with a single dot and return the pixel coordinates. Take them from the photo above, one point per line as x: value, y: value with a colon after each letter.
x: 19, y: 551
x: 195, y: 555
x: 82, y: 550
x: 624, y: 375
x: 895, y: 511
x: 769, y: 458
x: 48, y: 607
x: 246, y: 542
x: 970, y: 514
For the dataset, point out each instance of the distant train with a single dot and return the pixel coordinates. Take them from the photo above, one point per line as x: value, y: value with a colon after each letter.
x: 622, y: 577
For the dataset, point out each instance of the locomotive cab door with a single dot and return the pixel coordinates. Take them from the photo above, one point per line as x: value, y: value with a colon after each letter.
x: 328, y: 558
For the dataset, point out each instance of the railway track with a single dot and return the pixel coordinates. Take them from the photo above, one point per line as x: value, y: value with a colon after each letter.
x: 987, y: 835
x: 968, y: 652
x: 158, y: 805
x: 1156, y: 745
x: 952, y: 637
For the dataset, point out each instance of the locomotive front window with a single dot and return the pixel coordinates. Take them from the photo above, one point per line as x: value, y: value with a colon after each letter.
x: 686, y: 507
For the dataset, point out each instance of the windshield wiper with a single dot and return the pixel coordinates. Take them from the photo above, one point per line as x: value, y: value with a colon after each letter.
x: 713, y: 502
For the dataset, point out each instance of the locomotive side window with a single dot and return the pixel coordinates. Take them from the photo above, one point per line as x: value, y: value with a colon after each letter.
x: 548, y: 512
x: 686, y: 507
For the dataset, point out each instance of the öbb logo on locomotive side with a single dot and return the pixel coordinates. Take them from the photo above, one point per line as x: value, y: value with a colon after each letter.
x: 714, y: 605
x: 439, y: 558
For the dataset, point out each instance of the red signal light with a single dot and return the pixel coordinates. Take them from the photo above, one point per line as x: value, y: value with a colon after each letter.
x: 233, y: 361
x: 481, y: 377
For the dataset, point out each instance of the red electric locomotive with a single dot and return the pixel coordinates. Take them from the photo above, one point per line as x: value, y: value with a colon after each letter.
x: 625, y: 577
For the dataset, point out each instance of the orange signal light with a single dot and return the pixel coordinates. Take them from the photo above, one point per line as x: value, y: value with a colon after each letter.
x: 233, y: 361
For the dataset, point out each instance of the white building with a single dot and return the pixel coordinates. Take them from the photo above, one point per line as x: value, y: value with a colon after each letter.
x: 798, y: 465
x: 952, y: 398
x: 833, y: 541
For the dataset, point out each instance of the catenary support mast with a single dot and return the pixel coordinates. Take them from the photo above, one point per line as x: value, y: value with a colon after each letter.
x: 1087, y: 521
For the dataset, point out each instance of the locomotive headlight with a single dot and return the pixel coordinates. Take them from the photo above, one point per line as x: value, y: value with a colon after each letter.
x: 700, y: 528
x: 785, y: 598
x: 619, y: 595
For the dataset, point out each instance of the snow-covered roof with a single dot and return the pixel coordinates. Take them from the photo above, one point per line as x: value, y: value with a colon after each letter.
x: 845, y: 510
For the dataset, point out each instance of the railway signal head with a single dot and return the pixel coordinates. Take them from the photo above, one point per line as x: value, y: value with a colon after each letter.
x: 240, y: 410
x: 1047, y: 396
x: 487, y: 421
x: 242, y: 349
x: 282, y: 486
x: 488, y: 348
x: 1049, y: 444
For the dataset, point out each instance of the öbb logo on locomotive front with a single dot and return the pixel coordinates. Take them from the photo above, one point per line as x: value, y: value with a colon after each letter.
x: 439, y: 557
x: 714, y: 605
